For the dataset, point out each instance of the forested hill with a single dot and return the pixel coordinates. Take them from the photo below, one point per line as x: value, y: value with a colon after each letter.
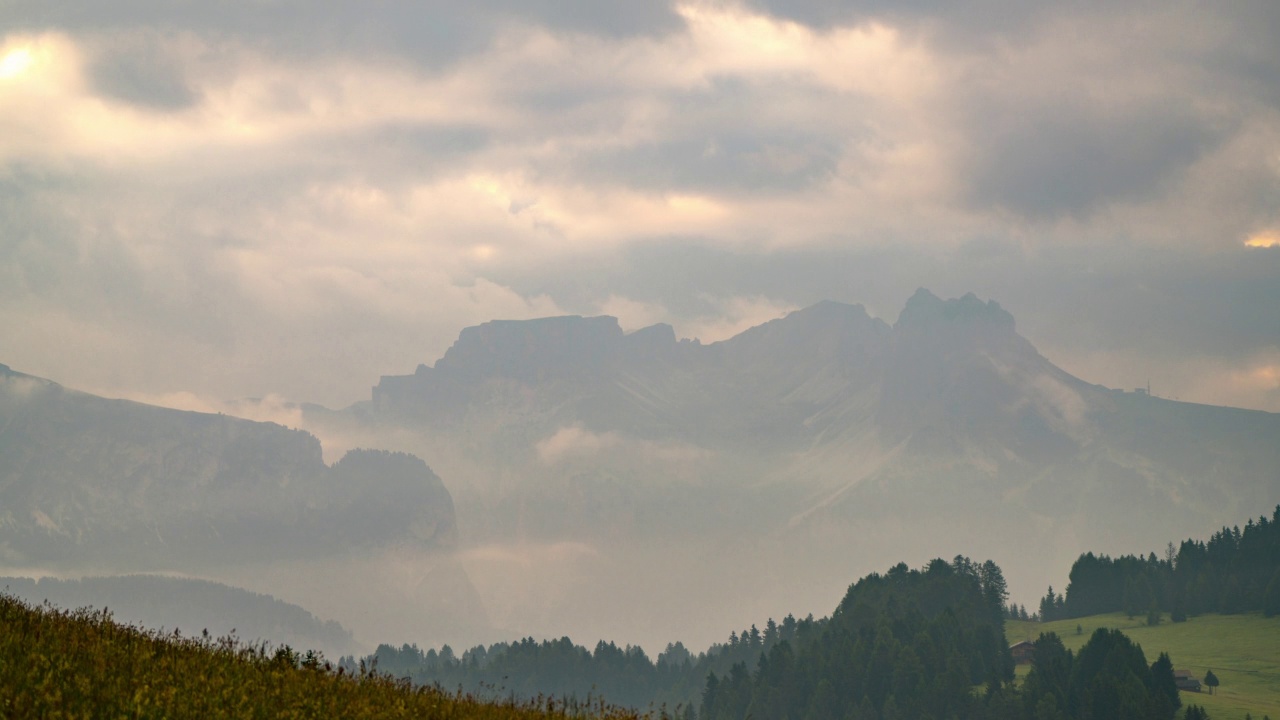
x: 960, y: 604
x: 1237, y: 570
x: 909, y: 643
x: 926, y: 643
x: 623, y: 675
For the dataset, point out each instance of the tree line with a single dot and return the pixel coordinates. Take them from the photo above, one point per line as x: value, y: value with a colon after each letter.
x: 883, y: 619
x: 907, y: 644
x: 1237, y: 570
x: 625, y: 676
x: 926, y: 643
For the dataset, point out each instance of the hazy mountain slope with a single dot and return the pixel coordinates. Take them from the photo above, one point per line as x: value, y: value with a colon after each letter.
x: 796, y: 454
x: 87, y: 479
x: 556, y: 371
x: 191, y: 606
x: 96, y: 486
x: 951, y: 382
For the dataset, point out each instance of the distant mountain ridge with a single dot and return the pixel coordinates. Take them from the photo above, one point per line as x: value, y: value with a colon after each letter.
x: 97, y: 479
x: 949, y: 379
x: 93, y: 486
x: 191, y: 607
x: 816, y: 443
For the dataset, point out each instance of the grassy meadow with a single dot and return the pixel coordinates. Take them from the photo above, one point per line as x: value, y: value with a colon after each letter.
x: 81, y: 664
x: 1242, y: 650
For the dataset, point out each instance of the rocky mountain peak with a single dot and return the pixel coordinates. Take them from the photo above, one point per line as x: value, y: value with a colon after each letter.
x: 826, y: 332
x: 926, y: 311
x: 554, y: 346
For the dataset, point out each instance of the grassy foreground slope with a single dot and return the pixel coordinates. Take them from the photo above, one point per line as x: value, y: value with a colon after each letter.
x: 57, y: 663
x: 1242, y: 650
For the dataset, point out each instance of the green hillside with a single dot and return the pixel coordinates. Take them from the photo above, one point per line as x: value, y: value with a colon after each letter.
x: 1242, y: 650
x: 55, y: 663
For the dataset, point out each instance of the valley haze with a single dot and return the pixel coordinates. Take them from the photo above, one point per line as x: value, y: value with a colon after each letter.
x: 632, y: 486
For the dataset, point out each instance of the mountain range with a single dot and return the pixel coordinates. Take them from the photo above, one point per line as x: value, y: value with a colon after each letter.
x: 805, y: 451
x: 646, y: 488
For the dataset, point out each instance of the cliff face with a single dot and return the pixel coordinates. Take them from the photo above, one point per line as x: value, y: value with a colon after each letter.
x: 88, y: 480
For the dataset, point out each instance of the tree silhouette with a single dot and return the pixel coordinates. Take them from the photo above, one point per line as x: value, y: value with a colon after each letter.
x: 1271, y: 600
x: 1195, y: 712
x: 1211, y: 680
x: 1164, y: 681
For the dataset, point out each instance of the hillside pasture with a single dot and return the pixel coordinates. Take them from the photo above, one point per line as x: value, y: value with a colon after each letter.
x: 1242, y: 650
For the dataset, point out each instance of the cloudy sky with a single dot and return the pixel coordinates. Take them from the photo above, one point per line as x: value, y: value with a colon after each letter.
x: 215, y: 200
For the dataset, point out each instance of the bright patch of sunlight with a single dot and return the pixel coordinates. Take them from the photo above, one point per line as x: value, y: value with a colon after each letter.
x: 1264, y: 239
x: 15, y: 63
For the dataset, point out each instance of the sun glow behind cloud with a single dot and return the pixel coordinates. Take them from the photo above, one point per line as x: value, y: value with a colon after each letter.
x: 868, y: 58
x: 15, y: 62
x: 1264, y: 239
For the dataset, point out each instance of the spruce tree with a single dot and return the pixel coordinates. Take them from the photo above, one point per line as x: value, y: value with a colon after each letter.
x: 1271, y: 598
x: 1195, y: 712
x: 1163, y: 681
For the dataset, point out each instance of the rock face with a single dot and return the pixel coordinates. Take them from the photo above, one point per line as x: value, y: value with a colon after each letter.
x: 87, y: 481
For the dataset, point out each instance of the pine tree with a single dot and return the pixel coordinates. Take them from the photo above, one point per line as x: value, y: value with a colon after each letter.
x: 1178, y: 612
x: 1195, y: 712
x: 1048, y: 606
x: 1130, y: 598
x: 1271, y: 598
x: 1163, y: 680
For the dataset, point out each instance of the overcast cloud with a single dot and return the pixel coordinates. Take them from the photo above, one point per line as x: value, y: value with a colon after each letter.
x: 220, y: 200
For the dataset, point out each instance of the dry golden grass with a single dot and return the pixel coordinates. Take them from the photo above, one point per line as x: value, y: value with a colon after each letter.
x: 81, y: 664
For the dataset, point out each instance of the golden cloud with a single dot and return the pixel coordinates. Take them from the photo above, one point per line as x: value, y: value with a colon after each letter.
x: 1264, y: 239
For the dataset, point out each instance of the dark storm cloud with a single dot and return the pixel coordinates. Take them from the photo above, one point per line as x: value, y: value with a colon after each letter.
x: 612, y: 18
x: 971, y: 17
x: 725, y: 136
x: 719, y: 139
x: 1066, y: 109
x: 56, y: 266
x: 143, y: 73
x: 38, y: 251
x: 432, y: 33
x: 416, y: 150
x: 1072, y: 158
x: 723, y: 160
x: 967, y: 24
